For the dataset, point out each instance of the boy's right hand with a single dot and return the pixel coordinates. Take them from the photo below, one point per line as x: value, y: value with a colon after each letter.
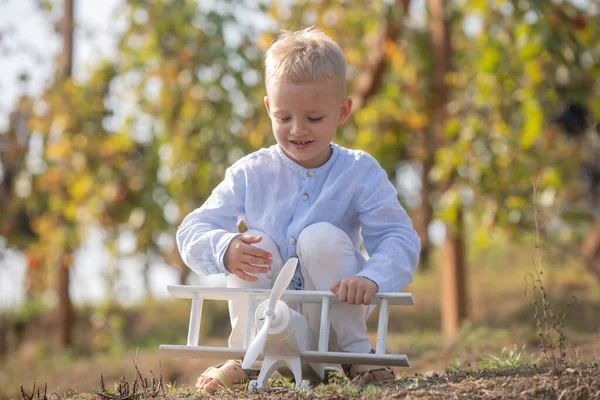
x: 240, y: 256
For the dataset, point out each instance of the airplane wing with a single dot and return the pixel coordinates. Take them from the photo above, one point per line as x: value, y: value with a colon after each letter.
x: 328, y: 357
x: 200, y: 293
x: 302, y: 296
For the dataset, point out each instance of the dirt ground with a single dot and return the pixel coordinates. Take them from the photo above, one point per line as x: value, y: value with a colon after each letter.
x: 529, y: 383
x: 579, y: 382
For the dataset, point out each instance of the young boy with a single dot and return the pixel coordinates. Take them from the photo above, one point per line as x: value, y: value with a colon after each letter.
x: 305, y: 197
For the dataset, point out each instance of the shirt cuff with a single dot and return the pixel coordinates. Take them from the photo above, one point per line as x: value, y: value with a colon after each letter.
x: 221, y: 249
x: 375, y: 277
x: 384, y: 283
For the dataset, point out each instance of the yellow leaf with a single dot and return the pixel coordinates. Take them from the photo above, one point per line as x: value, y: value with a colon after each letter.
x: 389, y: 139
x: 366, y: 115
x: 117, y: 143
x: 43, y: 226
x: 534, y: 71
x: 70, y: 211
x: 364, y: 138
x: 264, y: 42
x: 515, y: 202
x: 481, y: 238
x: 81, y: 187
x: 353, y: 56
x: 416, y: 120
x: 551, y: 177
x: 58, y: 151
x: 489, y: 59
x: 256, y: 139
x: 452, y: 127
x: 533, y: 124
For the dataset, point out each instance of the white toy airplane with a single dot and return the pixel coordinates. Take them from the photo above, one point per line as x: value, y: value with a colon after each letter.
x: 283, y: 338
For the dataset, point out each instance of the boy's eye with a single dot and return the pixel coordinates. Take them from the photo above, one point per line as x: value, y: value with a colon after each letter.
x: 284, y: 119
x: 315, y: 119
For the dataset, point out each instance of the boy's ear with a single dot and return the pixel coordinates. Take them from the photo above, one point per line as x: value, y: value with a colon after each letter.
x: 345, y: 109
x: 267, y: 105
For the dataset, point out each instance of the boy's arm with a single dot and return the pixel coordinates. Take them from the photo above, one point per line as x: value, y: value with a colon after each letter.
x: 205, y: 234
x: 390, y: 240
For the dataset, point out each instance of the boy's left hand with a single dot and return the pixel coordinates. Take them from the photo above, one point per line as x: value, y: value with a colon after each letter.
x: 355, y: 290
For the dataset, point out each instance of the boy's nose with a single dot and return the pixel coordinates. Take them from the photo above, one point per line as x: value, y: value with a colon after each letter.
x: 297, y: 129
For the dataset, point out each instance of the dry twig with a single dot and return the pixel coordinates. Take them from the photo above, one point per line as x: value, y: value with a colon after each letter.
x: 547, y: 322
x: 140, y: 387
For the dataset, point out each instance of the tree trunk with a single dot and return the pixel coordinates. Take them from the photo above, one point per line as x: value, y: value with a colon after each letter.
x: 65, y: 310
x: 174, y: 259
x: 183, y: 274
x: 3, y: 336
x: 454, y: 297
x: 424, y: 215
x: 370, y: 79
x: 66, y: 56
x: 146, y: 276
x: 454, y: 286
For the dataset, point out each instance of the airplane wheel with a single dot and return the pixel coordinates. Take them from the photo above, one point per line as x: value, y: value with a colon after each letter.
x: 253, y: 386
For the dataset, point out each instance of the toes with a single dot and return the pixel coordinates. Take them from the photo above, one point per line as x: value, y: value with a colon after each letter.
x: 212, y: 386
x: 208, y: 385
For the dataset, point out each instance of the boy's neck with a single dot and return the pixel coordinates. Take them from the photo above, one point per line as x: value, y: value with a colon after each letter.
x: 308, y: 165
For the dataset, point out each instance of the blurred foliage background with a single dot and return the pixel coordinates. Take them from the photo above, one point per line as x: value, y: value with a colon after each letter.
x: 466, y: 104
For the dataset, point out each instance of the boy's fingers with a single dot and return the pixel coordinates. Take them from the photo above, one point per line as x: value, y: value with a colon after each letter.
x: 360, y: 295
x: 334, y: 288
x: 350, y: 295
x: 367, y: 297
x: 249, y: 239
x: 255, y: 269
x: 342, y: 291
x: 255, y: 251
x: 250, y: 259
x: 244, y: 276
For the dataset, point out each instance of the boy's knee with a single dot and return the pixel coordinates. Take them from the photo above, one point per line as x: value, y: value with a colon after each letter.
x: 267, y: 243
x: 323, y: 238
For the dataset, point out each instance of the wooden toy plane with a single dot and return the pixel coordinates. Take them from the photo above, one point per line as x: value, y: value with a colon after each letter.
x: 282, y: 341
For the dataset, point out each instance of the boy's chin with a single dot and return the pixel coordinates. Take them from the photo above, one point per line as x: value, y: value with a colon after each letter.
x: 296, y: 156
x: 307, y: 159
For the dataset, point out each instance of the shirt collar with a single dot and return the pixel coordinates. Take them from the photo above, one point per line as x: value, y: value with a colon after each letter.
x: 323, y: 169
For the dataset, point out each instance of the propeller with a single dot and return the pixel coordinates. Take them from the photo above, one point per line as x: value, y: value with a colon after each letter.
x: 258, y: 343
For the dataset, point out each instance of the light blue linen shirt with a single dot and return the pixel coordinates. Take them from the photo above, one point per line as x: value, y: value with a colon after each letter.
x: 272, y: 193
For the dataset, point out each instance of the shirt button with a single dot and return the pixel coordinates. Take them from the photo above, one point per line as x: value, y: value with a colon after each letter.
x: 309, y: 173
x: 292, y: 241
x: 305, y: 196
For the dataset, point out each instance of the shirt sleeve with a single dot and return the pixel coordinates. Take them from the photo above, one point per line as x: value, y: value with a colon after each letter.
x: 390, y: 240
x: 205, y: 234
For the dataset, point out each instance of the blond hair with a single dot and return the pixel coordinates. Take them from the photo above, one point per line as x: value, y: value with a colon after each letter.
x: 305, y: 56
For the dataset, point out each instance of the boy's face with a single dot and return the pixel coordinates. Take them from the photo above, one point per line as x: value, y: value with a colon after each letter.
x: 305, y: 117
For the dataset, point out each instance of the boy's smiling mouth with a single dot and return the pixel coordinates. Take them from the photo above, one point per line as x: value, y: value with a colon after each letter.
x: 301, y: 142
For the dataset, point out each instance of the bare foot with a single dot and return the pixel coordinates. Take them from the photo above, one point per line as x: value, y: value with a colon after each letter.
x: 227, y: 375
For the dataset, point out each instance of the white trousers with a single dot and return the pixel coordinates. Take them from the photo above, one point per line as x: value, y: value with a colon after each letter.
x: 326, y: 255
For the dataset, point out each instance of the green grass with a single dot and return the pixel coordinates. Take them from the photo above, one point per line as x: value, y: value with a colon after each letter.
x: 513, y: 358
